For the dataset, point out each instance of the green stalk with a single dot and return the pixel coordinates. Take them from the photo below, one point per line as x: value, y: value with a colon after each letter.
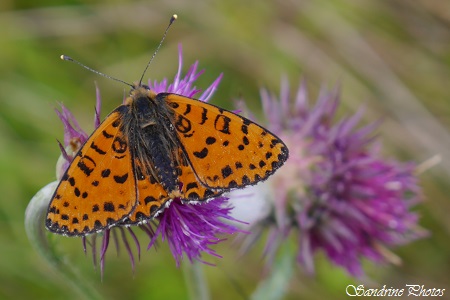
x: 39, y: 238
x: 195, y: 281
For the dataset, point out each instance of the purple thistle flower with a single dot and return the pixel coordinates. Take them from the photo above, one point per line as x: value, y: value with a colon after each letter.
x: 335, y: 191
x: 184, y: 86
x: 193, y: 228
x: 189, y: 229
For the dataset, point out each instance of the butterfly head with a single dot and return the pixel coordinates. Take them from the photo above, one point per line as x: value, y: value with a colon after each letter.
x: 139, y: 90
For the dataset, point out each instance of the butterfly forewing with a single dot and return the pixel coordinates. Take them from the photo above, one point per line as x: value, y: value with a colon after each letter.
x: 224, y: 149
x: 98, y: 189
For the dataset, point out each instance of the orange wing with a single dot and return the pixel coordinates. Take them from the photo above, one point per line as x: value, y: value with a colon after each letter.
x: 98, y: 189
x: 150, y: 194
x: 224, y: 149
x: 192, y: 189
x: 153, y: 198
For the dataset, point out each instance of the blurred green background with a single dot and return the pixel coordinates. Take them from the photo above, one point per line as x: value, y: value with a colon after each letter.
x: 392, y: 56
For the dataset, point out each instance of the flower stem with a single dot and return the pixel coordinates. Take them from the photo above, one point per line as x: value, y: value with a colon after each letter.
x: 275, y: 286
x: 195, y: 281
x: 39, y: 238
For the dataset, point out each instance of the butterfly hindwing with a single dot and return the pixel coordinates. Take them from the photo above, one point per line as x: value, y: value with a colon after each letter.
x: 192, y: 189
x: 151, y: 196
x: 98, y: 189
x: 225, y: 150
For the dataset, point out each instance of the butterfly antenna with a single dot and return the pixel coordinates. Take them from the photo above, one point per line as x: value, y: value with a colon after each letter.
x: 68, y: 58
x: 174, y: 17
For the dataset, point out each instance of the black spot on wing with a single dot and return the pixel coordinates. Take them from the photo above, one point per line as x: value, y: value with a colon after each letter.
x: 202, y: 154
x: 109, y: 206
x: 53, y: 210
x: 232, y: 184
x: 188, y: 109
x: 191, y: 185
x: 244, y: 129
x: 204, y: 117
x: 98, y: 225
x: 86, y: 164
x: 121, y: 179
x: 119, y: 145
x: 107, y: 135
x: 245, y: 180
x: 116, y: 123
x: 222, y: 123
x: 210, y: 140
x: 208, y: 193
x: 106, y: 173
x: 226, y: 171
x: 97, y: 149
x: 193, y: 196
x: 153, y: 209
x: 149, y: 199
x: 183, y: 125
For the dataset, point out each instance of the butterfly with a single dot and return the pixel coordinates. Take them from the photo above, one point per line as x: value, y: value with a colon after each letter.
x: 152, y: 149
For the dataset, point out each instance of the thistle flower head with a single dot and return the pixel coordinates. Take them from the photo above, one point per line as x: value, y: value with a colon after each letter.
x: 191, y: 229
x: 336, y: 191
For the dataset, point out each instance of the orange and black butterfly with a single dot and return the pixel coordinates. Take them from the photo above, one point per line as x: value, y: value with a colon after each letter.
x: 152, y: 149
